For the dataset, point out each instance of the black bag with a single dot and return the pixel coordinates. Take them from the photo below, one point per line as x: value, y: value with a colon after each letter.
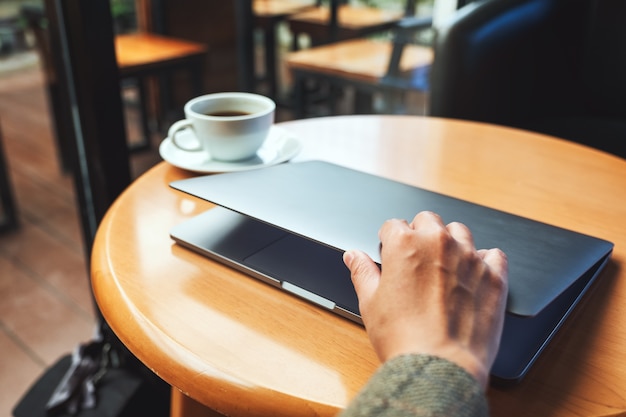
x: 99, y: 379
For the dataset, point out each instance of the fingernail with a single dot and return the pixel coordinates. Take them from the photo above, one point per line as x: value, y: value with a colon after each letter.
x: 348, y: 256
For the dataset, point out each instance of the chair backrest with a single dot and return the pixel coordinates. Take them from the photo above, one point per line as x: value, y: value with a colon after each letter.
x: 505, y: 61
x: 509, y: 61
x: 551, y: 66
x: 403, y: 34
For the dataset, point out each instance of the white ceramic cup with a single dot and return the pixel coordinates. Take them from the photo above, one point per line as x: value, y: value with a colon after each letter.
x: 228, y: 126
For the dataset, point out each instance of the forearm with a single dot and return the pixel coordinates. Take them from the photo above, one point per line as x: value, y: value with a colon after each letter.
x: 419, y: 385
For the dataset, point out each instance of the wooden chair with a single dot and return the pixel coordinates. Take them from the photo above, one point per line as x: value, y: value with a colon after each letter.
x: 140, y: 57
x: 341, y: 21
x: 267, y: 15
x: 145, y: 56
x: 369, y: 66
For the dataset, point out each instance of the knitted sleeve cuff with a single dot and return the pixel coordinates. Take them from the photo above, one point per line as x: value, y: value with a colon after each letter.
x: 420, y: 385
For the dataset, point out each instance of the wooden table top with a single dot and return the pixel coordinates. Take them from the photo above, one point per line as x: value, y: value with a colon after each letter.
x: 361, y: 59
x: 349, y: 17
x: 138, y: 50
x: 245, y: 348
x: 280, y: 8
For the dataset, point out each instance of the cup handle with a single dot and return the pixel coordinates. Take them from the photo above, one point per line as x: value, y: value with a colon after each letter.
x: 175, y: 128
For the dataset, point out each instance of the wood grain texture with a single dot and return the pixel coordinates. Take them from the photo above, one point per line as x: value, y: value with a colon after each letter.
x: 244, y: 348
x: 280, y: 8
x: 146, y: 50
x: 363, y: 60
x: 349, y: 17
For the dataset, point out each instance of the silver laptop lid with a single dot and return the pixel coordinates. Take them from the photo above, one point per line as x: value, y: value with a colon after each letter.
x: 344, y: 209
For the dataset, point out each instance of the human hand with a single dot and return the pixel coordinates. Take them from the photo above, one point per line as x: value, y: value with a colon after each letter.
x: 434, y: 293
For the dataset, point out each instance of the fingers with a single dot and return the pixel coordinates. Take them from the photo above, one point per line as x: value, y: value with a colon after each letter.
x: 494, y: 257
x: 425, y: 222
x: 429, y: 223
x: 391, y: 227
x: 497, y: 261
x: 461, y: 234
x: 434, y: 293
x: 364, y: 272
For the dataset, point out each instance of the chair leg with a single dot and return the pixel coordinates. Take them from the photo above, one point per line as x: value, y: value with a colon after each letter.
x: 8, y: 221
x: 269, y: 36
x: 363, y: 102
x: 394, y: 101
x: 299, y: 97
x: 167, y: 110
x: 61, y: 120
x: 197, y: 83
x: 144, y: 116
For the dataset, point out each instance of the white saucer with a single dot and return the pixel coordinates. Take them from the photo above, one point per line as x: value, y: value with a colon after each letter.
x: 278, y: 147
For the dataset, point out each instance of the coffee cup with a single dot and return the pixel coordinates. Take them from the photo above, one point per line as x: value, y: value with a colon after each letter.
x: 229, y: 126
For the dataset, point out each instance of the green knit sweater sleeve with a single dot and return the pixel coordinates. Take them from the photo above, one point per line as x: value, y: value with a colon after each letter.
x: 419, y: 385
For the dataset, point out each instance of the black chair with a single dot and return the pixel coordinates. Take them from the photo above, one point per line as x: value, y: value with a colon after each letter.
x: 552, y: 66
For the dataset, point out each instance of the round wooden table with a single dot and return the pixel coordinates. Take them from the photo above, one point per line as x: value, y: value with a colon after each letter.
x: 244, y: 348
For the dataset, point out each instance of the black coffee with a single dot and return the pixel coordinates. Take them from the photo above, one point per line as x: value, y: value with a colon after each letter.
x: 228, y: 113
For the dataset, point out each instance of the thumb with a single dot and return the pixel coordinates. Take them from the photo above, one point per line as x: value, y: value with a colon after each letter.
x: 364, y: 272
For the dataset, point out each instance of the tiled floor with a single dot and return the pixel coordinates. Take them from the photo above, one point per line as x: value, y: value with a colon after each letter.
x: 46, y: 308
x: 45, y: 302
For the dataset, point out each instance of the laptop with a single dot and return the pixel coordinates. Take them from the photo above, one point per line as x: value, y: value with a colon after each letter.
x: 288, y: 225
